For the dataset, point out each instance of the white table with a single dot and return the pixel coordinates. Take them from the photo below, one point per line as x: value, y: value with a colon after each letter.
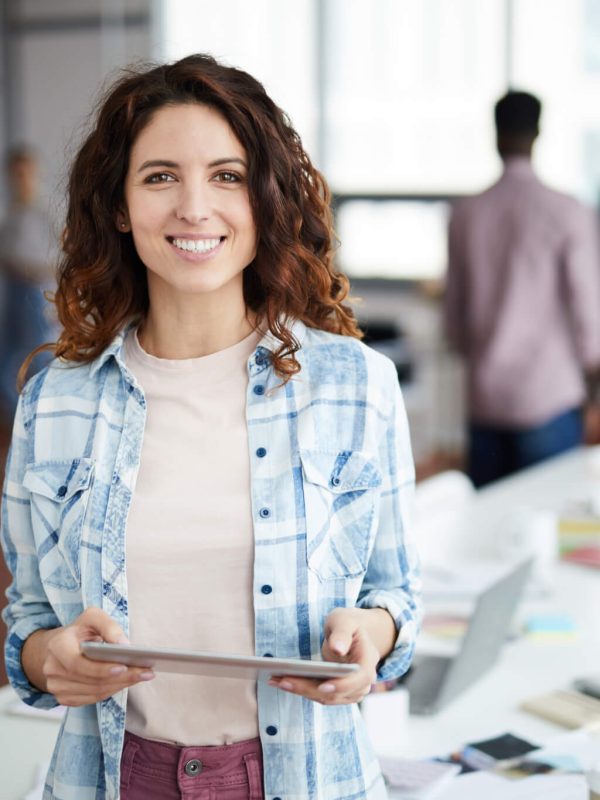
x: 525, y: 667
x: 25, y: 743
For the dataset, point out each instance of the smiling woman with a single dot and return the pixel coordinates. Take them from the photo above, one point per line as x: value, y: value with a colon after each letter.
x: 213, y: 461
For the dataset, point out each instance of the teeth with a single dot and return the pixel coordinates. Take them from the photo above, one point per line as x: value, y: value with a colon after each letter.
x: 196, y: 245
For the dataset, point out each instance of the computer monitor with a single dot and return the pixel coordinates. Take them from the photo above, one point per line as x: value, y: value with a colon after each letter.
x: 393, y: 239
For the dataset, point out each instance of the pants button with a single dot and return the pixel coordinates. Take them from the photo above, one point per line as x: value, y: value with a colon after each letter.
x: 193, y: 767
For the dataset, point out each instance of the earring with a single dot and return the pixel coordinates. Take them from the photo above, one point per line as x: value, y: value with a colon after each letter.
x: 123, y: 225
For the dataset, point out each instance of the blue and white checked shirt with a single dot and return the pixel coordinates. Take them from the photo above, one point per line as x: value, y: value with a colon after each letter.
x: 331, y: 502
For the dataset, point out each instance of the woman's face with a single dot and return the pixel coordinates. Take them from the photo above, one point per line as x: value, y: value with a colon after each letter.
x: 187, y: 203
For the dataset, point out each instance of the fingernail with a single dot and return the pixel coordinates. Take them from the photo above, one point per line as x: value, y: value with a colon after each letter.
x: 118, y: 670
x: 339, y: 647
x: 146, y: 676
x: 286, y: 685
x: 327, y: 688
x: 123, y: 640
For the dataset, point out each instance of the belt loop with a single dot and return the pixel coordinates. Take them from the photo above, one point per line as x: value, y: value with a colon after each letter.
x: 255, y: 778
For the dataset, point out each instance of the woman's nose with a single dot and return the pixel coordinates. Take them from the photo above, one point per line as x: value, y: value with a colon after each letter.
x: 194, y: 204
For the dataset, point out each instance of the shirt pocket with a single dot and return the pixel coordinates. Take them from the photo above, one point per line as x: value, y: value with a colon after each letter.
x: 341, y: 494
x: 59, y: 497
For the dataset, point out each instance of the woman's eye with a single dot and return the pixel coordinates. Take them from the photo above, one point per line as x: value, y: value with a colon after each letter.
x: 228, y: 177
x: 159, y: 177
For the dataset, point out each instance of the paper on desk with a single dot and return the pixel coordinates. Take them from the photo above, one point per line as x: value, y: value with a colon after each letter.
x: 578, y: 744
x: 476, y: 785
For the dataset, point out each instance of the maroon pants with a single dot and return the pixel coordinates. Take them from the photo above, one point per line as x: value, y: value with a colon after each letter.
x: 160, y: 771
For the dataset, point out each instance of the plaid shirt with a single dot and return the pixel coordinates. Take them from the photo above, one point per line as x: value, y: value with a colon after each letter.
x: 331, y: 505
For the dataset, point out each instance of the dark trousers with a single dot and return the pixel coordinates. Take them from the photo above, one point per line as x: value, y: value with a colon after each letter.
x: 496, y: 452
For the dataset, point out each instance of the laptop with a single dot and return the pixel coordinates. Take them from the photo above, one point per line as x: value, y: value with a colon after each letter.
x: 433, y: 681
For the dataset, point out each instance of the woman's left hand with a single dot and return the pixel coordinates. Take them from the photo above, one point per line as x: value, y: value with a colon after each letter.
x: 348, y: 641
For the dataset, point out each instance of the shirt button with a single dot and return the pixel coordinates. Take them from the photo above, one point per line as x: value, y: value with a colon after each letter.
x: 260, y: 389
x: 62, y: 491
x: 193, y: 767
x: 266, y: 589
x: 265, y: 512
x: 261, y: 452
x: 271, y: 730
x: 335, y: 481
x: 267, y: 655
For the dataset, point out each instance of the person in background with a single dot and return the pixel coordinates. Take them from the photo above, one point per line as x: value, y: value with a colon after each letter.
x: 27, y: 263
x: 213, y: 461
x: 522, y: 306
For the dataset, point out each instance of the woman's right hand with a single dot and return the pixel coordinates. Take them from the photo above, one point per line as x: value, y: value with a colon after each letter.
x: 71, y: 677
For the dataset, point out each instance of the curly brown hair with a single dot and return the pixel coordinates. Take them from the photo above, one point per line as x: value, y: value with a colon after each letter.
x: 102, y: 281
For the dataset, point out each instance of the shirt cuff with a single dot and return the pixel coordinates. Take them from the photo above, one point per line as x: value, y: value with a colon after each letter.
x: 407, y: 621
x: 15, y: 640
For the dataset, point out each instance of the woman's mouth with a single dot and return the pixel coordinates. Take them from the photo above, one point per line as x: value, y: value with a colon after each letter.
x: 195, y: 245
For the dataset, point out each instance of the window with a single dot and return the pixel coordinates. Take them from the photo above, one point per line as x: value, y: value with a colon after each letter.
x: 272, y: 40
x: 395, y: 97
x: 408, y: 93
x: 556, y: 55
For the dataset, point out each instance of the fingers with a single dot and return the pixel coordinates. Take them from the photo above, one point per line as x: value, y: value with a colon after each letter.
x: 76, y: 680
x: 344, y: 641
x: 337, y: 692
x: 340, y: 631
x: 70, y: 690
x: 101, y: 624
x: 72, y: 693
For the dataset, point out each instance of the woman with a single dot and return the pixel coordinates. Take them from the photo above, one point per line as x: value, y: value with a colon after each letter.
x: 213, y: 461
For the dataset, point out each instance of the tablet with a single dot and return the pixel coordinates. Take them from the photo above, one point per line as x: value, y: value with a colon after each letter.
x: 218, y: 665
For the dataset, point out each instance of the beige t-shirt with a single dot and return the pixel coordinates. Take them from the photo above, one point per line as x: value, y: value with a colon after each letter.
x: 190, y: 544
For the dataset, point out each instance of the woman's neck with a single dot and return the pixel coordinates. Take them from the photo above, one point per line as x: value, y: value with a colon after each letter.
x: 177, y: 336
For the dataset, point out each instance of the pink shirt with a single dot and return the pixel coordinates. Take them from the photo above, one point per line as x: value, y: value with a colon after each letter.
x: 523, y: 298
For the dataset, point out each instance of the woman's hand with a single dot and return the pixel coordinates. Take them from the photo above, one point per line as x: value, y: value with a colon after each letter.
x: 348, y: 639
x: 53, y: 661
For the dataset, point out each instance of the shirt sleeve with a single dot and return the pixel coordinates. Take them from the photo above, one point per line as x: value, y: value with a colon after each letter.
x: 28, y: 609
x: 581, y: 264
x: 455, y: 293
x: 393, y: 579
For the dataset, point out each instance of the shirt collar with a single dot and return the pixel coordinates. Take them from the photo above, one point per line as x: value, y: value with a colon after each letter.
x: 269, y: 343
x: 113, y: 350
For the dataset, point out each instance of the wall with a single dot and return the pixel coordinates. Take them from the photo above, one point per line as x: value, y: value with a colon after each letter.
x: 59, y: 53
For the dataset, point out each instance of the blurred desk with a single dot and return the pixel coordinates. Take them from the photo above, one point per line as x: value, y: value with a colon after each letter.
x: 526, y: 667
x: 26, y: 743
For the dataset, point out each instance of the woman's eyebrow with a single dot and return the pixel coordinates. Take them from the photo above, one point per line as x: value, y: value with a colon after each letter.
x: 162, y: 162
x: 233, y: 160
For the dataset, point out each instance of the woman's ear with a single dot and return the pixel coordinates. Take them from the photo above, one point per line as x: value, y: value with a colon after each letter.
x: 123, y: 224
